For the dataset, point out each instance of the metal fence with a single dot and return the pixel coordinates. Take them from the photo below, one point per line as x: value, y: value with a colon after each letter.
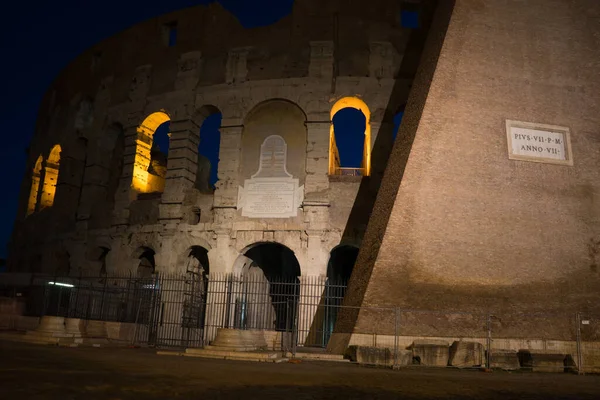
x: 186, y: 310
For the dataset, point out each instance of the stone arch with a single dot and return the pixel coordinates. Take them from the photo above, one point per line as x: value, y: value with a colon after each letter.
x: 334, y: 160
x: 275, y: 117
x: 36, y: 176
x: 185, y: 244
x: 149, y: 170
x: 341, y: 263
x: 198, y: 254
x: 267, y: 294
x: 253, y: 252
x: 208, y: 119
x: 51, y: 170
x: 339, y: 269
x: 146, y: 266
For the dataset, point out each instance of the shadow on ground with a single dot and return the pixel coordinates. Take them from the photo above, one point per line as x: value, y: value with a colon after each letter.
x: 43, y: 372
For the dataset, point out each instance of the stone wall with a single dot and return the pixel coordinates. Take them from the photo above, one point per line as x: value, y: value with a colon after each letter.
x: 460, y: 226
x: 281, y: 79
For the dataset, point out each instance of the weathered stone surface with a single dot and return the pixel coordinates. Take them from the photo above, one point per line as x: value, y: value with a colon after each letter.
x: 432, y: 353
x: 437, y: 237
x: 466, y: 354
x: 75, y: 327
x: 539, y: 361
x: 95, y: 329
x: 506, y: 360
x: 381, y: 356
x: 242, y: 340
x: 51, y: 324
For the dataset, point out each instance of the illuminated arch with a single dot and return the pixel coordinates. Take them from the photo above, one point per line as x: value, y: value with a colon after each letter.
x: 143, y: 181
x: 50, y: 177
x: 334, y: 158
x: 36, y: 176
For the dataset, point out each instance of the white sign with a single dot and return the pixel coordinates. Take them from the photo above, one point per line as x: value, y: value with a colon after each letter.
x: 538, y: 143
x: 270, y: 197
x: 271, y: 192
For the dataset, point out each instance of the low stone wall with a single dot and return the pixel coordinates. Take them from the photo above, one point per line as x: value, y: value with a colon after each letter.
x: 18, y: 322
x: 126, y: 332
x: 12, y: 306
x: 590, y: 350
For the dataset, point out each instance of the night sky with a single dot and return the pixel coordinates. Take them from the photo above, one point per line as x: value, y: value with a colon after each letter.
x: 39, y: 38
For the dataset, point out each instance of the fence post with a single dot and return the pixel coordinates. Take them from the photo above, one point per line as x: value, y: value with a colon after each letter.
x: 102, y: 301
x: 580, y: 369
x: 489, y: 342
x: 396, y: 336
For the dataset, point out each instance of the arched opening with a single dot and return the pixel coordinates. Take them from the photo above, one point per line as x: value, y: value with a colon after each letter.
x: 280, y: 118
x: 208, y: 151
x: 36, y: 176
x: 197, y: 270
x: 339, y: 269
x: 350, y: 138
x: 152, y: 147
x: 50, y: 177
x: 341, y: 263
x: 147, y: 265
x: 268, y: 296
x: 102, y: 259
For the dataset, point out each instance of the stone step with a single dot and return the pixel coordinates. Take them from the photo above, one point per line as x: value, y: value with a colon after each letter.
x: 239, y: 357
x: 226, y: 355
x: 230, y: 348
x: 319, y: 356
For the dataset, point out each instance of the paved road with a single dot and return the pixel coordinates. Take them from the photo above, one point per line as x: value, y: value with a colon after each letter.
x: 43, y: 372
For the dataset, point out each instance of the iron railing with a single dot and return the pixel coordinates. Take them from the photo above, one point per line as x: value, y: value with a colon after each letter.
x: 186, y: 310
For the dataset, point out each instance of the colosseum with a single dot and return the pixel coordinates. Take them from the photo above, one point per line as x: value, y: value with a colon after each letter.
x: 99, y: 195
x: 482, y: 224
x: 103, y: 196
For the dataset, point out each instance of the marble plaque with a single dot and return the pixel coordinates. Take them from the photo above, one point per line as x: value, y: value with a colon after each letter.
x: 271, y: 192
x: 538, y: 143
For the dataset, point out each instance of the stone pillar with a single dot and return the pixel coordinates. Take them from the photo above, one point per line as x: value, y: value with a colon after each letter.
x: 125, y: 193
x: 97, y: 175
x: 310, y: 309
x: 229, y: 164
x: 70, y: 177
x: 220, y: 307
x: 317, y: 162
x: 181, y: 169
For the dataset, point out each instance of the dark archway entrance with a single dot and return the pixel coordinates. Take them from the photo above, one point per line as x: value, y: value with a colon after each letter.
x: 196, y: 289
x: 147, y: 264
x: 269, y: 288
x: 339, y: 270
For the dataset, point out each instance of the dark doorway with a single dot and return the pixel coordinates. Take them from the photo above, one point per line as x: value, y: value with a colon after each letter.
x: 339, y: 270
x: 281, y: 269
x: 147, y: 265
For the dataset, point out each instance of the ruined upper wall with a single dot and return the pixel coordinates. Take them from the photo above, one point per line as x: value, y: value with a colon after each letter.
x: 281, y: 50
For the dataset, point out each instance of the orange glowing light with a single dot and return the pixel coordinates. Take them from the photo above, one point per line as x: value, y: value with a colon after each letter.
x: 142, y: 181
x: 334, y: 158
x: 50, y: 177
x: 35, y: 185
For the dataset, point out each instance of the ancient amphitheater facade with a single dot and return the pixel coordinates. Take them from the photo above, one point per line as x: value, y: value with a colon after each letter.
x: 95, y: 200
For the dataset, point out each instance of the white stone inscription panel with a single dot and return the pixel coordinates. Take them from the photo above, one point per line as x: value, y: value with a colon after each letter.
x: 272, y: 192
x: 538, y: 143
